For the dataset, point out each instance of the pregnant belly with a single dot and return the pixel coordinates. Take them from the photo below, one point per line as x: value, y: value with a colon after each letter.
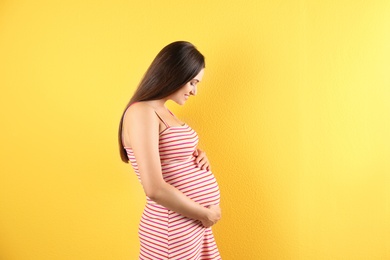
x: 199, y: 185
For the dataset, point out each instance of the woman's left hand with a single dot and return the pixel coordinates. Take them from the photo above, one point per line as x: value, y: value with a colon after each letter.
x: 201, y: 159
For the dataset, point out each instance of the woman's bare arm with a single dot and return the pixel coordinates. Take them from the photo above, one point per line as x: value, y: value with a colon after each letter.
x: 141, y: 127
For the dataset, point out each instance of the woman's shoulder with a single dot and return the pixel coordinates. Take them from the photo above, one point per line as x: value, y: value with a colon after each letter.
x: 140, y: 105
x: 140, y: 110
x: 140, y: 122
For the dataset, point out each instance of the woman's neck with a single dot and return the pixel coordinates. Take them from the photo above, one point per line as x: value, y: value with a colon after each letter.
x: 158, y: 104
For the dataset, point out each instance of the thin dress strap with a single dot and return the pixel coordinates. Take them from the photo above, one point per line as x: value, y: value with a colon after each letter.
x: 175, y: 117
x: 162, y: 120
x: 171, y: 112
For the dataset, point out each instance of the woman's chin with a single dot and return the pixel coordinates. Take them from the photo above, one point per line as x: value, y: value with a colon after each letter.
x: 182, y: 102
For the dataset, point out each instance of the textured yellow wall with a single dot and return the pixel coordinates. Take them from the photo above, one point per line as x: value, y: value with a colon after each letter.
x: 293, y: 112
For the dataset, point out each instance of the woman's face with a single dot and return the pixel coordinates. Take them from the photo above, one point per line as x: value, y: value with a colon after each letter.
x: 181, y: 96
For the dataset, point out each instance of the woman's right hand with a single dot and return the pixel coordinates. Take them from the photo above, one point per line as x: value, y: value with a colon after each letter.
x: 213, y: 216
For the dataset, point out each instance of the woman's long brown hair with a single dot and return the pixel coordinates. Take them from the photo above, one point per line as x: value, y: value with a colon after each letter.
x: 174, y: 66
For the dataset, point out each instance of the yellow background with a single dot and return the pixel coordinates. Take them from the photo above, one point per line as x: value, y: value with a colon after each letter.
x: 293, y: 113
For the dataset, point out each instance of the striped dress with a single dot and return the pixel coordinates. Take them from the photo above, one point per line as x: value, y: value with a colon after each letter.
x: 163, y: 233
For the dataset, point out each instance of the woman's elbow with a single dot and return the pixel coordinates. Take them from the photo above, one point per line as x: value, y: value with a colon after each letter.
x: 150, y: 193
x: 154, y: 192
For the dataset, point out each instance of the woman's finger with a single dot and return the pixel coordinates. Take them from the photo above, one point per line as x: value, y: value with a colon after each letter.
x: 203, y: 161
x: 199, y: 159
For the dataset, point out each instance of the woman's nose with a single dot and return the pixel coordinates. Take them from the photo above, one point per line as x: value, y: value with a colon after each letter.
x: 193, y: 91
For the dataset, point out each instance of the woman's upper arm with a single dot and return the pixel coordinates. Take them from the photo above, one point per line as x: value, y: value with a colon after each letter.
x: 141, y: 126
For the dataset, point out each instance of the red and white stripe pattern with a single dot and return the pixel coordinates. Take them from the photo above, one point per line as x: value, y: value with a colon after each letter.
x: 165, y: 234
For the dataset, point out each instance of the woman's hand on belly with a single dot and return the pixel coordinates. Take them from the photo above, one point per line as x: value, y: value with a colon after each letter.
x: 213, y: 216
x: 201, y: 159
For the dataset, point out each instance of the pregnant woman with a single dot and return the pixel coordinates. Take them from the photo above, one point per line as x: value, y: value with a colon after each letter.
x: 182, y: 195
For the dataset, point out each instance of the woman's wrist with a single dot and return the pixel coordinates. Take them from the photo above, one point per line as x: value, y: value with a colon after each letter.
x: 205, y: 214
